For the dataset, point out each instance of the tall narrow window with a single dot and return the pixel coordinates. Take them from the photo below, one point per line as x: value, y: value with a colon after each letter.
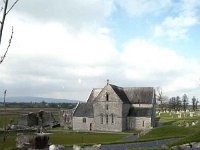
x: 101, y: 118
x: 112, y: 118
x: 84, y: 120
x: 107, y: 96
x: 107, y: 119
x: 106, y: 106
x: 143, y: 123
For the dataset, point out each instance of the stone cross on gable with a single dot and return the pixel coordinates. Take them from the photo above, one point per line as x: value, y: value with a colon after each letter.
x: 107, y: 81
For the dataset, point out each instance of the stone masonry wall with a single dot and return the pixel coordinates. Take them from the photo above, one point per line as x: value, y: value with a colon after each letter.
x: 79, y: 125
x: 66, y: 118
x: 125, y: 112
x: 112, y: 107
x: 138, y: 123
x: 23, y: 120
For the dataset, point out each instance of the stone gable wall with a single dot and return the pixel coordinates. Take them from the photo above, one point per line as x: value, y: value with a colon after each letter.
x: 66, y: 117
x: 115, y: 108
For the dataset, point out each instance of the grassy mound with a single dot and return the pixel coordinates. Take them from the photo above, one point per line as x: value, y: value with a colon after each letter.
x: 193, y: 137
x: 165, y: 132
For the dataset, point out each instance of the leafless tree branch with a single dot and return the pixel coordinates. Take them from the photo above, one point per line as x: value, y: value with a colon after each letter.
x: 1, y: 9
x: 9, y: 43
x: 5, y: 12
x: 12, y: 6
x: 3, y: 19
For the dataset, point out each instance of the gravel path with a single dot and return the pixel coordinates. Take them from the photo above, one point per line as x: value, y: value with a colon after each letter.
x: 158, y: 143
x: 130, y: 137
x: 150, y: 144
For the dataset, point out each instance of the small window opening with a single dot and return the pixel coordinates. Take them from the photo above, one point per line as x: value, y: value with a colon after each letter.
x: 112, y: 118
x: 101, y: 118
x: 107, y: 96
x: 84, y: 120
x: 107, y: 119
x: 106, y: 106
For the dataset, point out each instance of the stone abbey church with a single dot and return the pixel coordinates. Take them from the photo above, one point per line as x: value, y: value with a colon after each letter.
x: 115, y: 108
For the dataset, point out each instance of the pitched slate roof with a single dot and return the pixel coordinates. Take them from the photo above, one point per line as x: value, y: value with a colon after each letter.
x: 133, y: 95
x: 84, y: 110
x: 140, y: 95
x: 95, y: 92
x: 140, y: 112
x: 120, y: 92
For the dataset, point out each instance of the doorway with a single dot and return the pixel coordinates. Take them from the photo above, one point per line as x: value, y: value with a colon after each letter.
x: 90, y: 126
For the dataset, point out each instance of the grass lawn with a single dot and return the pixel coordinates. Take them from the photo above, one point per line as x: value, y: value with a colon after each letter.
x: 9, y: 143
x: 165, y: 132
x: 9, y: 118
x: 193, y: 137
x: 81, y: 138
x: 188, y: 139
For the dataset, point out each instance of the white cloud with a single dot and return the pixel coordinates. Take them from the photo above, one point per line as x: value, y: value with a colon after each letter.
x: 44, y: 58
x: 142, y: 7
x: 49, y: 59
x: 74, y: 13
x: 184, y: 18
x: 144, y: 62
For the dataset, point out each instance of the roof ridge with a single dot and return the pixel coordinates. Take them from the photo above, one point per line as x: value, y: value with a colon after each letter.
x: 121, y: 93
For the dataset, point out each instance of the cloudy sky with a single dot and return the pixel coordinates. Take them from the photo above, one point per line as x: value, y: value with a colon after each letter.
x: 63, y: 49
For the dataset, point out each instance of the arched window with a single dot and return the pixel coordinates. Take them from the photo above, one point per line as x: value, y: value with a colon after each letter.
x: 107, y: 119
x: 101, y: 118
x: 112, y: 118
x: 107, y: 96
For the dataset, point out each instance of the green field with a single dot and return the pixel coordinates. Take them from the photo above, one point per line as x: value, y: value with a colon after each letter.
x: 82, y: 138
x: 9, y: 143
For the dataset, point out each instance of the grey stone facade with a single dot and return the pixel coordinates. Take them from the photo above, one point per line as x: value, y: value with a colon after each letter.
x: 29, y: 119
x: 66, y: 118
x: 42, y: 118
x: 114, y: 108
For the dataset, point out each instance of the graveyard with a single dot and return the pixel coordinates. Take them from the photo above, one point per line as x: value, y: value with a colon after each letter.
x: 183, y: 125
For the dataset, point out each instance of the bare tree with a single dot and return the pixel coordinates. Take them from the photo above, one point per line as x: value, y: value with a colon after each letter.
x: 161, y: 98
x: 4, y: 10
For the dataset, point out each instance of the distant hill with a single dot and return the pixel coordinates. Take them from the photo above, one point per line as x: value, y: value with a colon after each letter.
x: 37, y: 99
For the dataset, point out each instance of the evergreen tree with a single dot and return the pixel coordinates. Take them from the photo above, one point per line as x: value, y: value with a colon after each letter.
x: 185, y: 102
x: 194, y: 100
x: 178, y: 103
